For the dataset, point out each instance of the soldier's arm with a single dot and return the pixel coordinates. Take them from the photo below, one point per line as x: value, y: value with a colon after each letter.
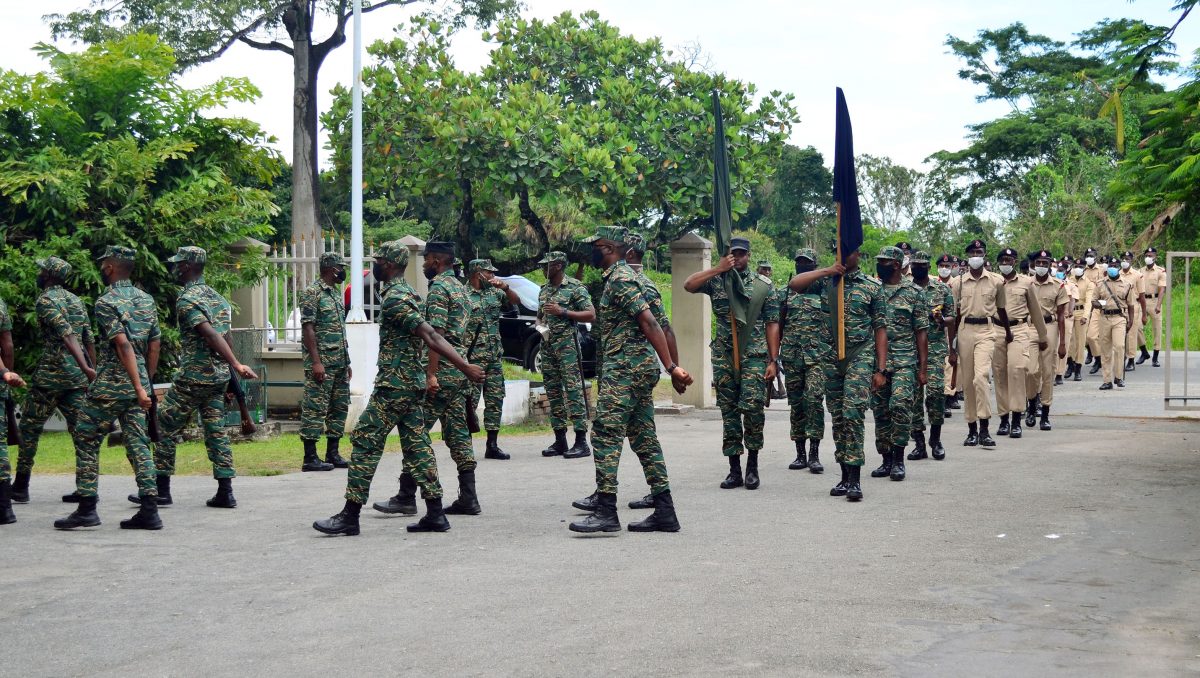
x: 218, y: 344
x: 6, y: 347
x: 579, y: 307
x: 436, y: 313
x: 128, y: 358
x: 509, y: 295
x: 9, y: 377
x: 698, y: 280
x: 1035, y: 314
x: 801, y: 281
x: 308, y: 337
x: 438, y: 346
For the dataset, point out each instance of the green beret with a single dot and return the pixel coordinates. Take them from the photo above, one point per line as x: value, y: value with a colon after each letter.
x: 55, y: 267
x: 190, y: 254
x: 117, y: 252
x: 393, y: 251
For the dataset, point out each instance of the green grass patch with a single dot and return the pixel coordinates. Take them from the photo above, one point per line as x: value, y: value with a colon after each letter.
x: 1179, y: 298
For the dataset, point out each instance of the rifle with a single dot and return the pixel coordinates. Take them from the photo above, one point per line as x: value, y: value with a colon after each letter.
x: 587, y: 405
x: 235, y: 388
x: 470, y: 401
x: 152, y: 417
x: 10, y: 415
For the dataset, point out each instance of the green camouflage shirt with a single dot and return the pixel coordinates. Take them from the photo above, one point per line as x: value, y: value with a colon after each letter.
x: 5, y: 326
x: 937, y: 293
x: 571, y: 295
x: 448, y: 308
x: 864, y: 305
x: 907, y: 313
x: 715, y: 289
x: 805, y: 326
x: 401, y: 351
x: 625, y: 348
x: 60, y: 314
x: 487, y: 303
x: 654, y: 298
x: 322, y: 306
x: 198, y: 363
x: 123, y: 309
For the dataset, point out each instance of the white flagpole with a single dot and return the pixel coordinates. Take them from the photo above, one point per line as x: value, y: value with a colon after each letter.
x: 356, y: 314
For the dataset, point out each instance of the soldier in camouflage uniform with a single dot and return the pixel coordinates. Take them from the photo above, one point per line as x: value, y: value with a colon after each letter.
x: 625, y: 404
x: 128, y: 323
x: 326, y: 365
x: 8, y: 378
x: 563, y: 302
x: 741, y: 393
x: 908, y: 352
x: 849, y: 382
x: 205, y: 360
x: 942, y: 313
x: 490, y: 296
x: 804, y: 350
x: 398, y: 401
x: 62, y: 374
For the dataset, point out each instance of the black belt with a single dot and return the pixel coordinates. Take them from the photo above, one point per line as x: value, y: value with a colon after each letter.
x: 976, y: 321
x: 1116, y: 312
x: 1151, y: 296
x: 1048, y: 318
x: 1013, y: 322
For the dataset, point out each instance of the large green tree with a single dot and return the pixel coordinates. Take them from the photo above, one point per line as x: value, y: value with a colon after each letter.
x: 795, y: 205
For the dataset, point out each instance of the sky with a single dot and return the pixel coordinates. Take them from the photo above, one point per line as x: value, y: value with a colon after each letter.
x: 905, y: 97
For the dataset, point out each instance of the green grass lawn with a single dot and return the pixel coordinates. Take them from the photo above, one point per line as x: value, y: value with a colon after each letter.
x: 1178, y: 305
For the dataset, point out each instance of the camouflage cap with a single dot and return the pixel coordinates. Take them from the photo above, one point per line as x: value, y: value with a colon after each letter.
x: 394, y: 251
x: 613, y: 233
x: 479, y: 265
x: 331, y: 260
x: 636, y: 242
x: 190, y: 254
x: 890, y: 252
x: 554, y: 258
x: 55, y: 267
x: 806, y: 253
x: 117, y: 252
x: 763, y: 263
x: 920, y: 257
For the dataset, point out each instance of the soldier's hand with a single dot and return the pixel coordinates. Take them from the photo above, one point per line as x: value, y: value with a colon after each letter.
x: 497, y: 283
x: 678, y: 385
x: 431, y: 384
x: 772, y: 370
x: 878, y: 381
x: 953, y: 357
x: 245, y: 372
x: 13, y: 379
x: 1062, y: 350
x: 552, y: 308
x: 1145, y: 318
x: 90, y: 374
x: 725, y: 263
x: 318, y: 370
x: 1008, y: 337
x: 682, y: 375
x: 474, y: 372
x: 349, y: 373
x: 837, y: 269
x: 1042, y: 345
x: 922, y: 378
x: 143, y: 399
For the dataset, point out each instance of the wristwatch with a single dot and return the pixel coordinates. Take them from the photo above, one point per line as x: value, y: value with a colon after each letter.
x: 886, y: 373
x: 671, y: 369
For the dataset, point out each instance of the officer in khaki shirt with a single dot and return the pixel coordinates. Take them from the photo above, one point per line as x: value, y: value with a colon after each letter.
x: 1135, y: 278
x: 1113, y: 303
x: 978, y: 298
x: 1015, y: 358
x: 1080, y: 322
x: 1093, y: 271
x: 1154, y: 286
x: 1053, y: 302
x: 1064, y: 274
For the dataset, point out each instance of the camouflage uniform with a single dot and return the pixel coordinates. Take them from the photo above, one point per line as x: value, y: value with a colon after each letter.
x: 907, y: 313
x: 123, y: 309
x: 398, y: 398
x: 201, y: 379
x: 560, y: 353
x: 937, y: 294
x: 487, y: 303
x: 448, y: 308
x: 58, y: 382
x: 740, y: 397
x: 325, y: 404
x: 805, y: 347
x: 5, y: 392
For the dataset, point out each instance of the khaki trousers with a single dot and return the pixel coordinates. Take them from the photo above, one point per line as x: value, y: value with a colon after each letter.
x: 976, y: 344
x: 1011, y: 365
x: 1111, y: 331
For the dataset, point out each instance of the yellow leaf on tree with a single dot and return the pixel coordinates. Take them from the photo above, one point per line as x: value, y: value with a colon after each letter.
x: 604, y: 188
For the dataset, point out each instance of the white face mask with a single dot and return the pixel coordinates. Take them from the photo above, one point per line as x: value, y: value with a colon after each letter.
x: 1124, y: 265
x: 1077, y: 271
x: 1090, y: 260
x: 943, y: 271
x: 975, y: 263
x: 1149, y: 261
x: 1041, y: 271
x: 1006, y: 268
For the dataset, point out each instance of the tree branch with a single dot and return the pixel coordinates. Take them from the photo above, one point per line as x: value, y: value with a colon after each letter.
x: 240, y: 35
x: 273, y: 45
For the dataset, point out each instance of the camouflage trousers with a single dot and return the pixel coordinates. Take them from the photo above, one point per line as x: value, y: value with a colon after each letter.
x: 5, y: 467
x: 564, y: 385
x: 847, y: 394
x: 805, y: 381
x: 893, y: 406
x: 404, y: 412
x: 325, y: 404
x: 625, y: 409
x: 449, y: 406
x: 176, y: 410
x: 38, y: 406
x: 933, y: 394
x: 741, y: 401
x: 95, y: 420
x: 492, y: 390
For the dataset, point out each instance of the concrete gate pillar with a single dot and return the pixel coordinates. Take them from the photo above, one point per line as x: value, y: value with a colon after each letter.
x: 691, y: 317
x: 250, y: 307
x: 413, y: 275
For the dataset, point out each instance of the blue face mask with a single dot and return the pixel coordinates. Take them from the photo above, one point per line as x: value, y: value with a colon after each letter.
x: 1061, y: 275
x: 1113, y: 271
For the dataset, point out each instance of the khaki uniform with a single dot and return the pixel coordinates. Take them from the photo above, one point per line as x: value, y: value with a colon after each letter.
x: 978, y: 300
x: 1094, y: 274
x: 1134, y: 278
x: 1050, y: 295
x: 946, y: 367
x: 1154, y: 284
x: 1118, y: 296
x: 1080, y: 327
x: 1013, y: 361
x: 1068, y: 321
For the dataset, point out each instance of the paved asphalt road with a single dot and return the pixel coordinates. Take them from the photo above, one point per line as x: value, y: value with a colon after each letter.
x: 1067, y: 553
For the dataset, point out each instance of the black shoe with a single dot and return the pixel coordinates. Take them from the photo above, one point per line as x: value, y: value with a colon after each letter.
x: 603, y: 519
x: 972, y: 436
x: 1087, y: 360
x: 1119, y: 382
x: 164, y: 490
x: 405, y: 501
x: 1154, y: 361
x: 1129, y: 365
x: 20, y: 487
x: 1078, y: 373
x: 839, y: 490
x: 1144, y: 356
x: 814, y: 458
x: 331, y: 453
x: 954, y: 404
x: 146, y: 518
x: 434, y: 519
x: 311, y: 461
x: 588, y: 503
x: 946, y: 413
x: 72, y: 498
x: 854, y: 487
x: 936, y: 449
x: 83, y: 516
x: 7, y: 517
x: 1015, y: 431
x: 919, y: 451
x: 1045, y: 423
x: 1058, y: 380
x: 801, y: 462
x: 224, y: 496
x: 734, y: 479
x: 752, y: 480
x: 580, y: 449
x: 1030, y: 413
x: 662, y: 520
x: 985, y: 439
x: 559, y: 446
x: 467, y: 503
x: 643, y: 503
x: 1095, y: 366
x: 1106, y: 386
x: 345, y: 522
x: 1002, y: 429
x: 885, y: 469
x: 492, y: 450
x: 898, y: 472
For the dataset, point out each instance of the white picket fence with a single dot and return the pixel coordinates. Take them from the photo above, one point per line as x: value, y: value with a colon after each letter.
x: 293, y: 268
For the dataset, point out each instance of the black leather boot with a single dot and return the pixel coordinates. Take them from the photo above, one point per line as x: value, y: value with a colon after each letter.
x: 885, y: 468
x: 985, y: 438
x: 146, y: 518
x: 955, y: 402
x: 311, y: 461
x: 467, y: 503
x: 662, y: 520
x: 1144, y: 356
x: 331, y: 453
x: 1154, y: 361
x: 1095, y: 366
x: 83, y: 516
x: 1045, y: 425
x: 603, y: 519
x: 1031, y: 409
x: 72, y: 498
x: 935, y: 442
x: 1106, y: 386
x: 224, y: 496
x: 345, y: 522
x: 434, y: 519
x: 643, y: 503
x: 405, y: 501
x: 587, y: 504
x: 1129, y: 367
x: 801, y: 461
x: 898, y: 472
x: 1078, y: 373
x: 752, y: 481
x: 734, y: 479
x: 559, y: 446
x: 580, y: 449
x: 1119, y: 382
x: 492, y: 449
x: 164, y: 492
x: 919, y: 451
x: 1015, y: 430
x: 839, y: 490
x: 20, y: 487
x: 1087, y: 359
x: 972, y: 435
x: 1002, y: 429
x: 6, y: 513
x: 814, y: 459
x: 854, y: 487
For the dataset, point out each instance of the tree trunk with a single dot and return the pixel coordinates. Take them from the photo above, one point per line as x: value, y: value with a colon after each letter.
x: 466, y: 217
x: 305, y: 177
x: 539, y: 230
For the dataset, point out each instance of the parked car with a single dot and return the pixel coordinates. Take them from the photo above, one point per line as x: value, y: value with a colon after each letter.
x: 522, y: 344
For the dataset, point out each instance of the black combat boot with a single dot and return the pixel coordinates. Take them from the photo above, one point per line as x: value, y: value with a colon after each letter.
x: 434, y: 519
x: 1058, y: 380
x: 972, y: 435
x: 1015, y: 430
x: 1087, y: 359
x: 6, y: 513
x: 224, y: 496
x: 1095, y: 366
x: 662, y: 520
x: 72, y: 498
x: 956, y: 402
x: 1106, y: 386
x: 467, y: 503
x: 801, y: 461
x: 1154, y: 361
x: 985, y: 438
x: 492, y: 450
x: 603, y: 519
x: 83, y: 516
x: 1045, y: 425
x: 1129, y: 365
x: 734, y: 479
x: 643, y: 503
x: 1119, y: 382
x: 405, y: 501
x: 1031, y: 409
x: 1144, y: 356
x: 1002, y: 429
x: 752, y: 481
x: 1078, y: 373
x: 935, y: 442
x: 345, y: 522
x: 854, y: 487
x: 587, y: 504
x: 311, y: 461
x: 919, y: 448
x: 580, y: 449
x: 164, y: 492
x: 898, y: 472
x: 814, y: 459
x: 146, y: 518
x: 331, y: 453
x: 559, y: 446
x: 20, y: 487
x: 885, y: 469
x: 839, y: 490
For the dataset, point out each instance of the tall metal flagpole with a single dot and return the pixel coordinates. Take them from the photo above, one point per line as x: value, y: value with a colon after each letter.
x: 357, y: 314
